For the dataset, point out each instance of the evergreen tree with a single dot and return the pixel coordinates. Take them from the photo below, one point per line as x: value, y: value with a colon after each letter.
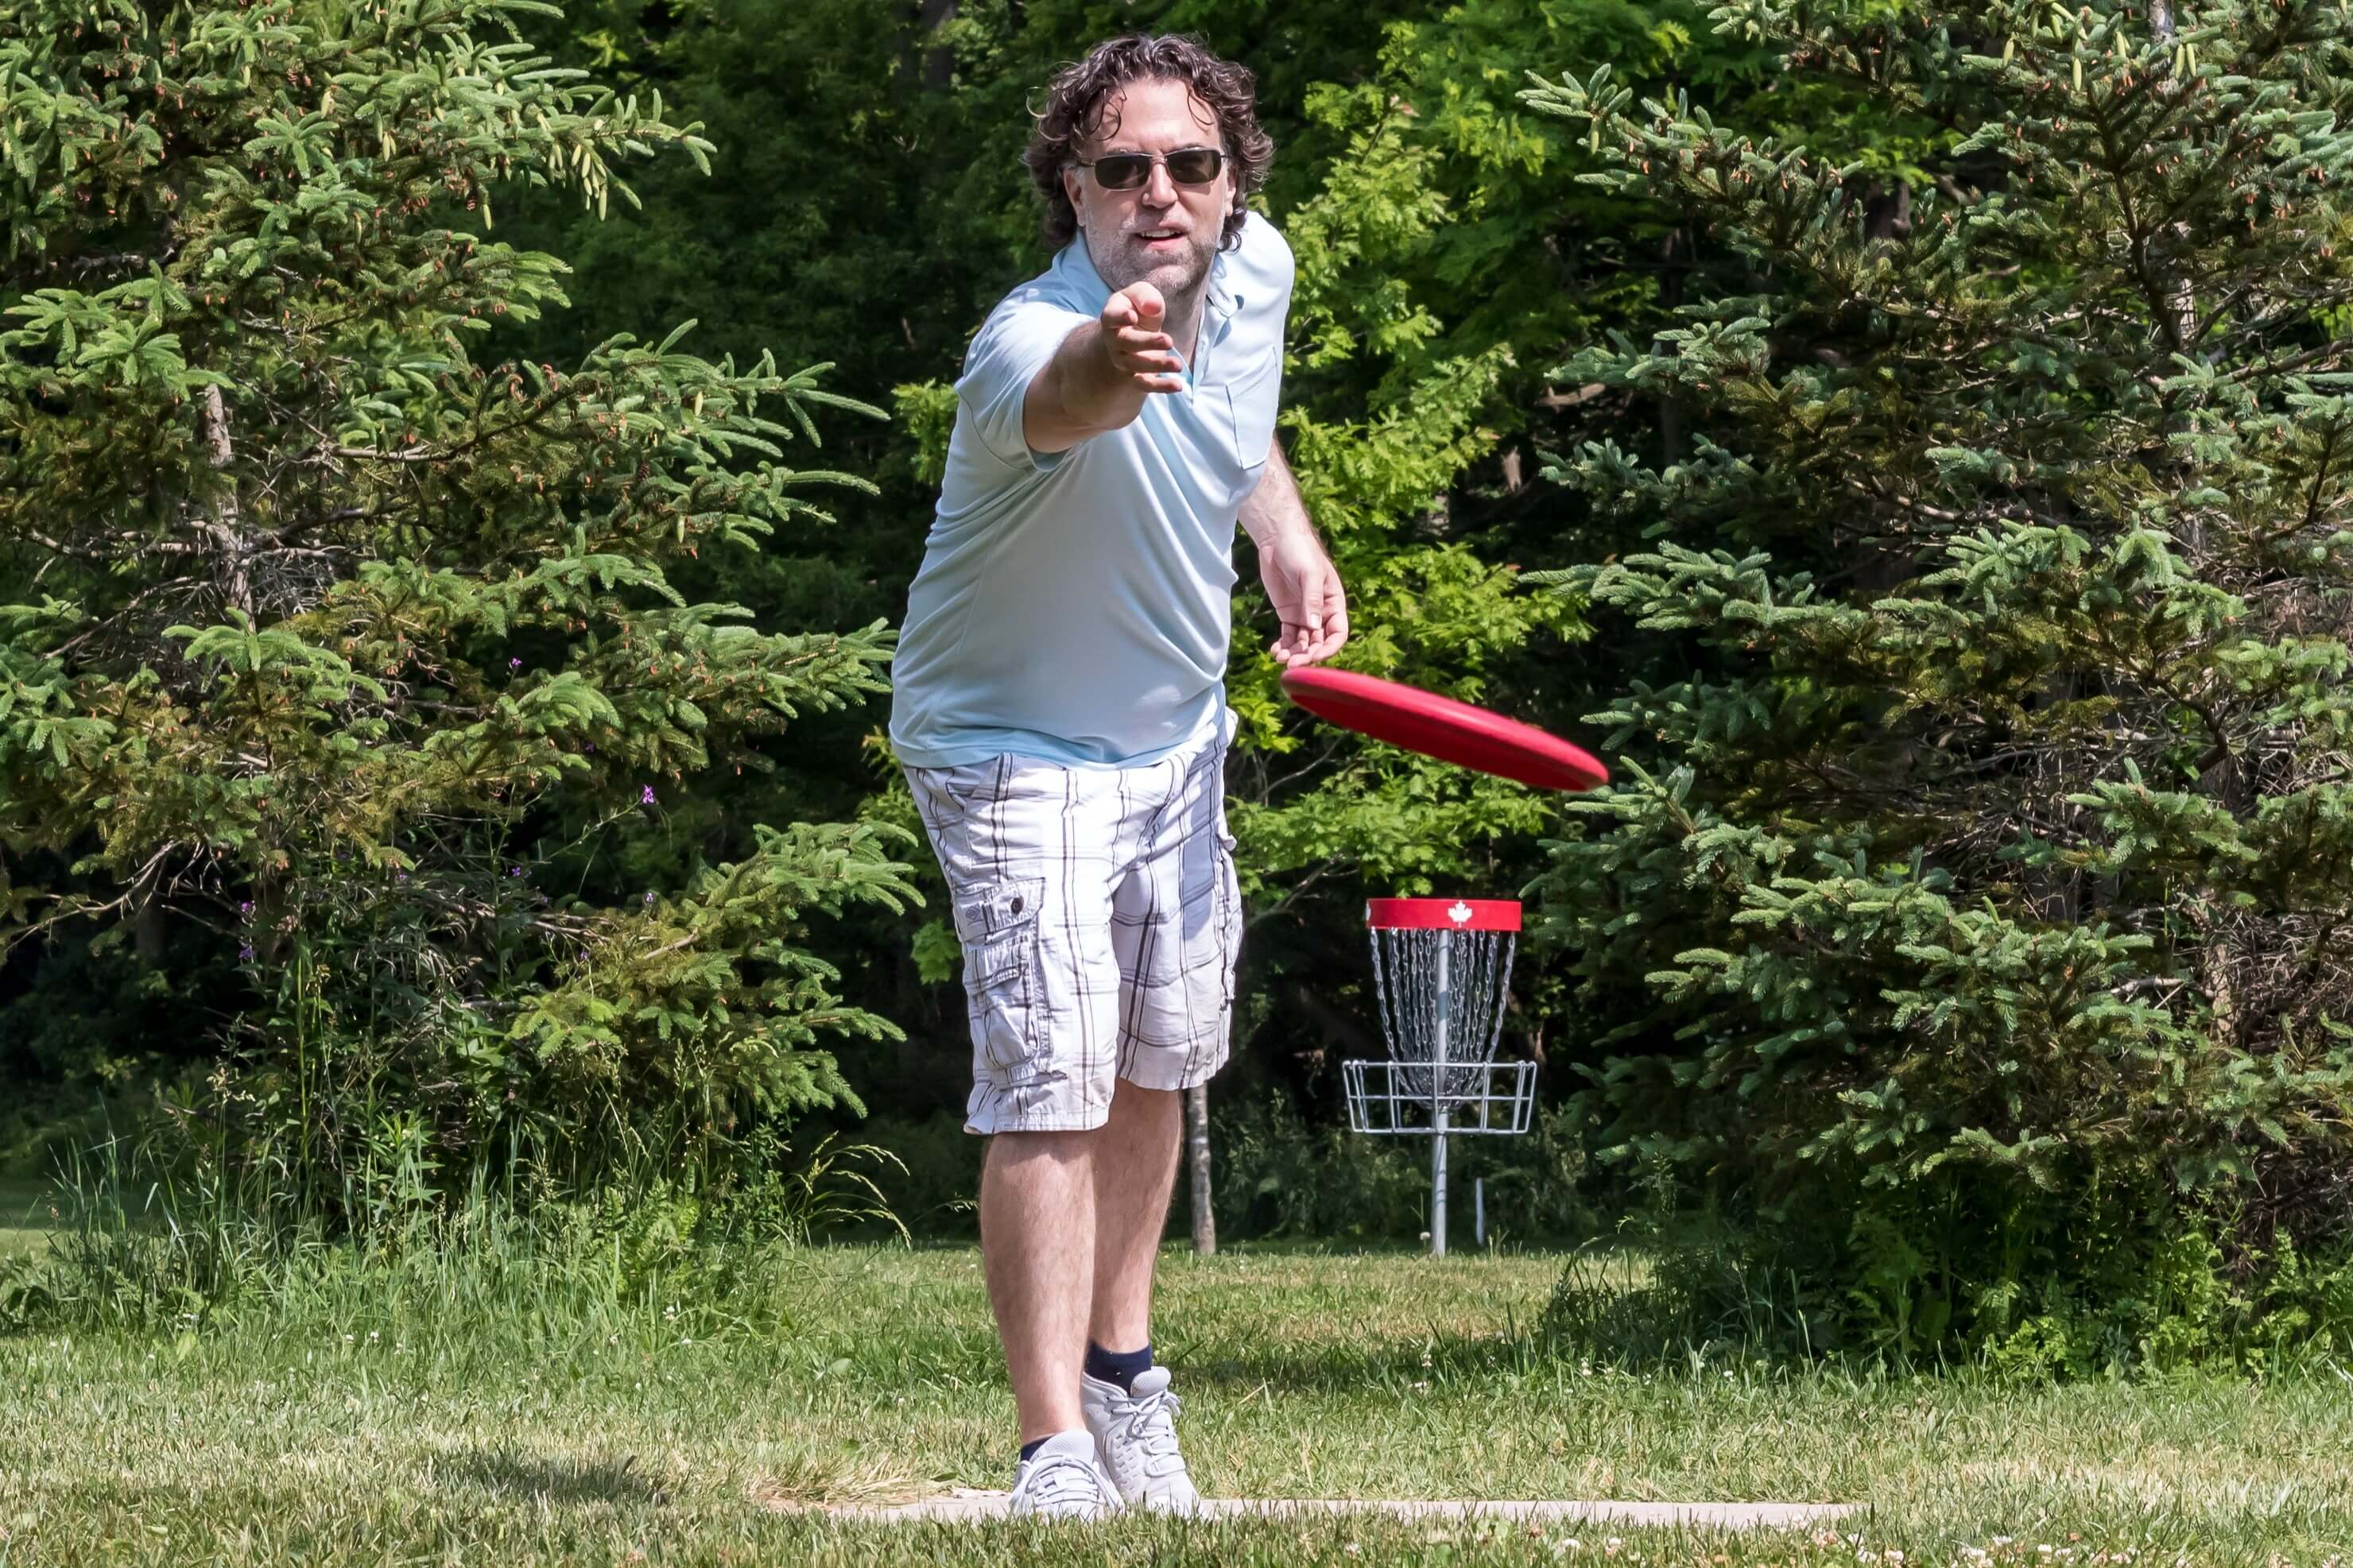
x: 343, y: 657
x: 1982, y: 855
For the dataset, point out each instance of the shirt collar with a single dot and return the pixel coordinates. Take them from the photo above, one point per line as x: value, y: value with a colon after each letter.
x: 1220, y: 300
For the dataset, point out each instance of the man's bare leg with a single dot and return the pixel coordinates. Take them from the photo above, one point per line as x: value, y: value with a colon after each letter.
x: 1037, y: 1248
x: 1134, y: 1173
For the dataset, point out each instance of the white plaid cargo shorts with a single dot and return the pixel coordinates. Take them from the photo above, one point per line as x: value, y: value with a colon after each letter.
x: 1100, y: 919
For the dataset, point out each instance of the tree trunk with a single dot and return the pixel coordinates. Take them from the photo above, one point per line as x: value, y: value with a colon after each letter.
x: 1197, y: 1161
x: 228, y: 521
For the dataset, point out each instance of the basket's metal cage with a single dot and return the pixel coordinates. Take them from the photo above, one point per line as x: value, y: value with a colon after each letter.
x: 1442, y: 970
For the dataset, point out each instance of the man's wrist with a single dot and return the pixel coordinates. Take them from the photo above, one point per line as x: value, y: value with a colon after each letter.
x: 1082, y: 381
x: 1270, y: 526
x: 1266, y: 536
x: 1090, y: 384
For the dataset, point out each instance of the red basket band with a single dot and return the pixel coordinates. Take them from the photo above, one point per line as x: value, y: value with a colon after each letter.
x: 1443, y: 914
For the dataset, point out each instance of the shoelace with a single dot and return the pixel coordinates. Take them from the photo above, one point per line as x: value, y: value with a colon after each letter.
x: 1062, y: 1478
x: 1152, y: 1427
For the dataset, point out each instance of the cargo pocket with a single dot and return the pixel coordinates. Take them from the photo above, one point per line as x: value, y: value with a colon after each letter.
x: 997, y: 927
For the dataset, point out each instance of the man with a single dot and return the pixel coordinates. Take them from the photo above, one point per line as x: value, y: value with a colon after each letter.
x: 1060, y: 714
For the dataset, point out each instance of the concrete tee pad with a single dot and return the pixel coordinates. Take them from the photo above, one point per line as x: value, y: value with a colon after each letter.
x: 967, y: 1504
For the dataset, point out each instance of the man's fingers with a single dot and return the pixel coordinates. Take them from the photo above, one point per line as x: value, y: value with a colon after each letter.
x: 1321, y: 628
x: 1147, y: 354
x: 1336, y: 622
x: 1288, y: 649
x: 1148, y: 348
x: 1131, y: 318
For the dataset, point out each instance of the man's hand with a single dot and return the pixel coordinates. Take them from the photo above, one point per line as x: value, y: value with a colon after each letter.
x: 1307, y: 597
x: 1137, y: 346
x: 1103, y: 373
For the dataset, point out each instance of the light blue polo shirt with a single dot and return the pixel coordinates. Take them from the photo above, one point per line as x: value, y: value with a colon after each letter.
x: 1076, y: 607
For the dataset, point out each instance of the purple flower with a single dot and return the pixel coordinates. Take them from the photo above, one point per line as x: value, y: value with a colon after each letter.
x: 400, y: 876
x: 245, y: 952
x: 647, y: 798
x: 246, y: 908
x: 514, y: 870
x: 514, y: 664
x: 650, y: 897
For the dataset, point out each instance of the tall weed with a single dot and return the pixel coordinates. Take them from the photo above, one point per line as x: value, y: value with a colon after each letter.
x: 143, y: 1244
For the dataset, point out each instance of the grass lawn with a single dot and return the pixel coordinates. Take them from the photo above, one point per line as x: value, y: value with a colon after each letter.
x: 376, y: 1426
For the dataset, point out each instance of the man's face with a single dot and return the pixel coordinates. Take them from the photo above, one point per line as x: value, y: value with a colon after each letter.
x: 1163, y: 233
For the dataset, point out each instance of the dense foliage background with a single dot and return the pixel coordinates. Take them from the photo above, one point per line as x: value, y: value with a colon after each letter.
x: 1922, y: 424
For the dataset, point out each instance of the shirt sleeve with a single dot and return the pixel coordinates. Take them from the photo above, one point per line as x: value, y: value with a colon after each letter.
x: 1268, y: 264
x: 1012, y: 346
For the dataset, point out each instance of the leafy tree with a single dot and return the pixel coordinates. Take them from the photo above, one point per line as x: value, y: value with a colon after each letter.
x: 1984, y: 846
x: 346, y: 660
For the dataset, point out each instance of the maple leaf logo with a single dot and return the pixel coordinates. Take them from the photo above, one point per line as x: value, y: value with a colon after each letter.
x: 1460, y: 913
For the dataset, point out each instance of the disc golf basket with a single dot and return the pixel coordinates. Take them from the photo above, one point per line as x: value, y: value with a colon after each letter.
x: 1442, y: 970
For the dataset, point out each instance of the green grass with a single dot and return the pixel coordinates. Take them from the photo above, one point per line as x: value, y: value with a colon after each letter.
x: 415, y: 1413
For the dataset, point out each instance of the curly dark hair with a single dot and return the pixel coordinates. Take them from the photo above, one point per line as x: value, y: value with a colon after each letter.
x: 1074, y: 113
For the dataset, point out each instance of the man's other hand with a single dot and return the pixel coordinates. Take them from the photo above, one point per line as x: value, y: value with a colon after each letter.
x: 1307, y: 597
x: 1138, y: 348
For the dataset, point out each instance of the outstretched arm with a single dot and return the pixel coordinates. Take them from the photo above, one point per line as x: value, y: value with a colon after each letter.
x: 1098, y: 380
x: 1299, y: 577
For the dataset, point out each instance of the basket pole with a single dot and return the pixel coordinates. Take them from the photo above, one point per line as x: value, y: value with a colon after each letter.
x: 1437, y: 1110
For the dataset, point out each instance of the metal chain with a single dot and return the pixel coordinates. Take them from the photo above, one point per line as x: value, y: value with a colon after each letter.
x: 1406, y: 980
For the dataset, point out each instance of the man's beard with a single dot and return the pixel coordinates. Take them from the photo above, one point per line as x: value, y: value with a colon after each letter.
x: 1129, y: 263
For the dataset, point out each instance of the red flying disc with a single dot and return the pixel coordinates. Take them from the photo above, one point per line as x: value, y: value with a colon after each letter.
x: 1441, y: 727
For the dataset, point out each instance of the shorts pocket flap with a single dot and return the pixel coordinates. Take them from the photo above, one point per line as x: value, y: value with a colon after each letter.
x: 999, y: 907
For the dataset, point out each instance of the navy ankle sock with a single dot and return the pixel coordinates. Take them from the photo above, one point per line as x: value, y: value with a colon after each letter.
x: 1121, y: 1367
x: 1031, y: 1447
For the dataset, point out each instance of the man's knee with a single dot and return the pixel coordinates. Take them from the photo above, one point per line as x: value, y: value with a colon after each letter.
x: 1041, y: 1149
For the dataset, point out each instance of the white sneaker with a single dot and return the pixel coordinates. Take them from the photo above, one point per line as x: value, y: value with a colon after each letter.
x: 1137, y: 1430
x: 1063, y: 1479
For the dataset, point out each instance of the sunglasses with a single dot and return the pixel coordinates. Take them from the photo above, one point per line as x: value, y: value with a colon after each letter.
x: 1129, y: 171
